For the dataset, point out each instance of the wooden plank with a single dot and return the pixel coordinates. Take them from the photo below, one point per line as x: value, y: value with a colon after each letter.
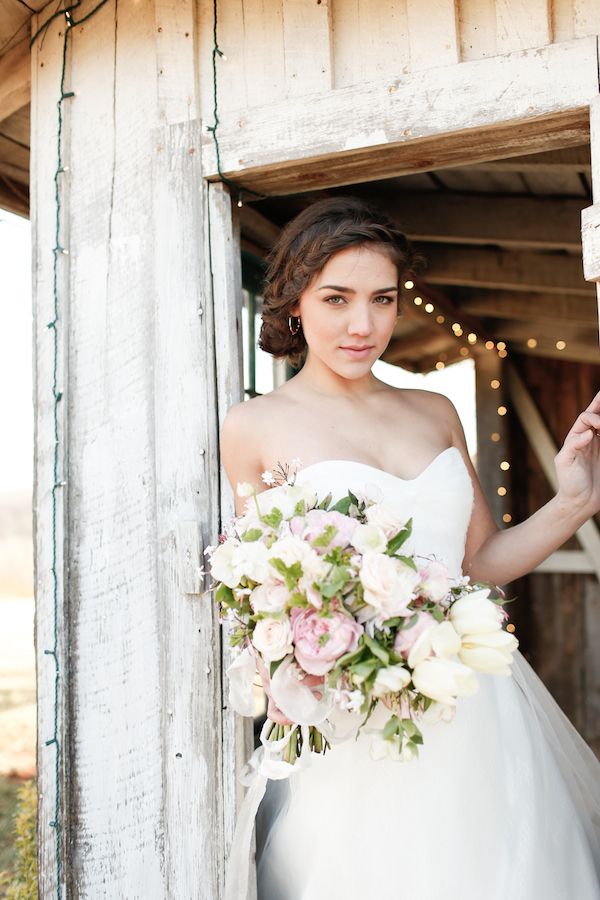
x: 365, y: 36
x: 43, y: 227
x: 507, y: 269
x: 546, y: 89
x: 176, y: 62
x: 307, y: 47
x: 521, y: 24
x: 187, y: 515
x: 567, y: 561
x: 530, y: 307
x: 225, y: 287
x: 457, y: 218
x: 15, y: 78
x: 545, y: 449
x: 433, y: 33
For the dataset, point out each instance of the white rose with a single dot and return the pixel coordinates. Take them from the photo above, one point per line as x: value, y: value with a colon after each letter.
x: 251, y: 558
x: 223, y: 565
x: 385, y: 518
x: 271, y: 596
x: 489, y: 651
x: 435, y: 583
x: 291, y: 549
x: 444, y: 679
x: 474, y: 613
x: 273, y: 637
x: 388, y: 583
x: 369, y: 537
x: 371, y: 492
x: 390, y: 680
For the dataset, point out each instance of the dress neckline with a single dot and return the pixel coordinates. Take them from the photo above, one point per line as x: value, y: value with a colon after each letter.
x: 355, y: 462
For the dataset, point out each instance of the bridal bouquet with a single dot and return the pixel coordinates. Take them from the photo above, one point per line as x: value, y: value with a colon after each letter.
x: 321, y: 589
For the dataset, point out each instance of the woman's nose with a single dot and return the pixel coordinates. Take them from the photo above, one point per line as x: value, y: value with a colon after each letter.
x: 360, y: 321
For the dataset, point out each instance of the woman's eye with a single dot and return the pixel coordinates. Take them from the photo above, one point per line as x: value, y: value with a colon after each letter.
x: 329, y: 299
x: 387, y: 299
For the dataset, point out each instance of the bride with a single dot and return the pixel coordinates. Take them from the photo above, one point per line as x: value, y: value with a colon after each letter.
x: 503, y: 802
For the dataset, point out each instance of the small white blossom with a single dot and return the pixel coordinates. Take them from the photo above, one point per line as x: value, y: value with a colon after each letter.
x: 267, y: 477
x: 296, y: 461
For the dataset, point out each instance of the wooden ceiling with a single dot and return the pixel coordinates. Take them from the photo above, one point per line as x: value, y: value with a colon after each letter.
x: 504, y: 258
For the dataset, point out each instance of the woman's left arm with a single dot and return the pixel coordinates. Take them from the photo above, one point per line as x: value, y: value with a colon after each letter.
x: 501, y: 556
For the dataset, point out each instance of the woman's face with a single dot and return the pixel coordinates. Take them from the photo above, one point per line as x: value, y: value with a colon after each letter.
x: 351, y: 303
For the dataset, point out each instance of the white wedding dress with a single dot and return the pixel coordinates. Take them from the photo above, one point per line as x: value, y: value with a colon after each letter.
x: 502, y: 803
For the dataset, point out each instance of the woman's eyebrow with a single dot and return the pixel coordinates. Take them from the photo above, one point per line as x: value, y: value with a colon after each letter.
x: 348, y: 290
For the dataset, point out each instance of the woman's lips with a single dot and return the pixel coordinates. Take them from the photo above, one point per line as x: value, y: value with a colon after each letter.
x: 356, y: 354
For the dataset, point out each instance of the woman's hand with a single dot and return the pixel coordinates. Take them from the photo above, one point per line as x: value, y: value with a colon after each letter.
x: 273, y: 711
x: 577, y: 463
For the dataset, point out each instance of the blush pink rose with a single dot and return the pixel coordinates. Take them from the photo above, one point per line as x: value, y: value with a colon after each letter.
x: 313, y: 524
x: 316, y: 653
x: 407, y: 637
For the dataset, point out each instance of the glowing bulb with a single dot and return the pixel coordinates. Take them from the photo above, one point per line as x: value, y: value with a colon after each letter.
x: 409, y: 284
x: 531, y: 342
x: 489, y: 345
x: 502, y: 491
x: 502, y: 410
x: 417, y: 301
x: 439, y: 364
x: 494, y: 383
x: 440, y: 319
x: 464, y: 351
x: 429, y: 307
x: 495, y: 436
x: 501, y: 345
x: 502, y: 353
x: 472, y: 337
x: 560, y: 345
x: 504, y: 465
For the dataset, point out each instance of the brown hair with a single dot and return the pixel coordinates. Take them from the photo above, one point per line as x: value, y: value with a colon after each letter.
x: 303, y: 248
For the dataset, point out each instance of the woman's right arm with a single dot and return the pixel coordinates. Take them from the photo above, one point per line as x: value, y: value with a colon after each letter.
x: 239, y: 450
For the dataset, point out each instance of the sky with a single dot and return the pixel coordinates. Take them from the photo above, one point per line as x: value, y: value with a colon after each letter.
x: 16, y: 449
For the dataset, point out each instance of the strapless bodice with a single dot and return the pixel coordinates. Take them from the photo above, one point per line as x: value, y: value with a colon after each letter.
x: 439, y: 499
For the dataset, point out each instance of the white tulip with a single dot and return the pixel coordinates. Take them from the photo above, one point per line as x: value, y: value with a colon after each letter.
x: 438, y: 712
x: 245, y: 489
x: 444, y: 639
x: 444, y: 679
x: 223, y: 564
x: 369, y: 537
x: 489, y: 651
x: 390, y: 679
x: 474, y: 613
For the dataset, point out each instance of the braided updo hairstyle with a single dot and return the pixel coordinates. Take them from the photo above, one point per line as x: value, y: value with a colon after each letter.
x: 303, y: 248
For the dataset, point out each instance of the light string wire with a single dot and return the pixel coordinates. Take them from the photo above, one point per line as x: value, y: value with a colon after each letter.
x: 64, y: 95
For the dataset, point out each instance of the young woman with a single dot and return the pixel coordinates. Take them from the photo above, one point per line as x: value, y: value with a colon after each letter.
x: 504, y: 801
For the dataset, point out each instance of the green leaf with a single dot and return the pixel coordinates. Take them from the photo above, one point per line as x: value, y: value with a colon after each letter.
x: 364, y: 668
x: 391, y: 727
x: 325, y: 538
x: 273, y: 519
x: 375, y: 648
x: 399, y: 539
x: 407, y: 560
x: 351, y: 655
x: 325, y: 502
x: 252, y: 534
x: 274, y: 665
x: 224, y: 595
x: 343, y: 505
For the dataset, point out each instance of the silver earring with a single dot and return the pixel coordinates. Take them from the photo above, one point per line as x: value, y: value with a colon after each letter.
x: 290, y: 324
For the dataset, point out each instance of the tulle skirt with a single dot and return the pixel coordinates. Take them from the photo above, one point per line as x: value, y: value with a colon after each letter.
x: 503, y: 803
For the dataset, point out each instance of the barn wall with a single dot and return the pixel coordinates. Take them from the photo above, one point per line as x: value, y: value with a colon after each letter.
x: 557, y: 614
x: 279, y: 49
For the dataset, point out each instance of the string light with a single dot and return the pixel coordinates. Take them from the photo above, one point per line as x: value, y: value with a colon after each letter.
x: 489, y: 345
x: 408, y: 285
x: 440, y: 319
x: 531, y: 342
x: 502, y: 491
x: 472, y: 337
x: 495, y: 436
x: 417, y: 300
x: 495, y: 384
x: 502, y: 410
x: 429, y: 307
x: 504, y: 465
x: 560, y: 345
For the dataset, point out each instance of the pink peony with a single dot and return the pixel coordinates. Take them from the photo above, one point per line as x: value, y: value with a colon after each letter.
x: 318, y: 654
x: 313, y: 524
x: 407, y: 637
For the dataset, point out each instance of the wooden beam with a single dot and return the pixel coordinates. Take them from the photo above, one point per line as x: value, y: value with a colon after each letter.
x: 526, y: 100
x: 505, y: 269
x: 545, y: 449
x: 15, y: 79
x: 530, y: 307
x: 492, y: 432
x: 567, y: 561
x: 570, y: 159
x: 535, y: 223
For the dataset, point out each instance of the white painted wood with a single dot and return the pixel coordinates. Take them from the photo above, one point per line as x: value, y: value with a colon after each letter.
x: 307, y: 46
x: 187, y: 520
x: 545, y: 449
x: 369, y: 40
x: 222, y: 231
x: 178, y: 98
x: 522, y: 24
x: 567, y: 561
x: 590, y: 217
x: 433, y: 30
x: 511, y: 88
x: 43, y: 227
